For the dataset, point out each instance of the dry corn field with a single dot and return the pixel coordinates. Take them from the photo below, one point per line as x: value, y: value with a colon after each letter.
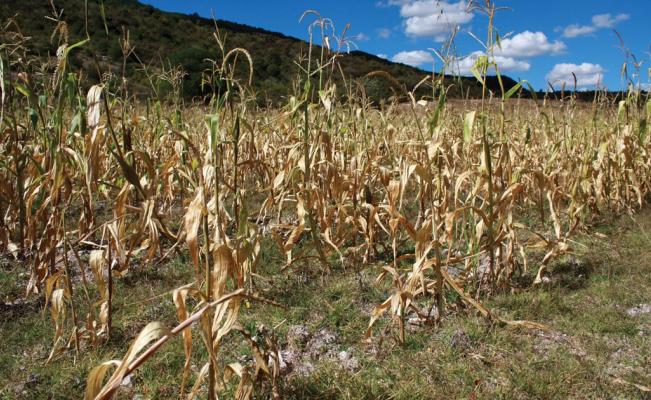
x: 451, y: 203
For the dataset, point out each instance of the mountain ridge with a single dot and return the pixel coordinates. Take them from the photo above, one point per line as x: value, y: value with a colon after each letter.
x: 170, y: 38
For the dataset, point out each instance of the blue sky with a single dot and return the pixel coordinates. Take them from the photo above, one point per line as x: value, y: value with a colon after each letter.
x: 543, y: 41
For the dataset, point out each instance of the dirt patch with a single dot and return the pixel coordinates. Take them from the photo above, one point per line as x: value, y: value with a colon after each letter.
x: 461, y: 342
x: 547, y: 341
x: 305, y: 350
x: 20, y: 307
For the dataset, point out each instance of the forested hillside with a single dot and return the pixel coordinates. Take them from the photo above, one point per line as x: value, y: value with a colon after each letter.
x: 162, y: 40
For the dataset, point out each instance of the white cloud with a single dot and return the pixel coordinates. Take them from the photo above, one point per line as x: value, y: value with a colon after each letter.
x: 360, y: 37
x: 462, y: 66
x: 529, y: 44
x: 607, y: 20
x: 600, y: 21
x: 431, y: 18
x: 388, y: 3
x: 575, y: 30
x: 382, y: 55
x: 421, y: 8
x: 587, y: 75
x: 414, y: 58
x: 384, y: 33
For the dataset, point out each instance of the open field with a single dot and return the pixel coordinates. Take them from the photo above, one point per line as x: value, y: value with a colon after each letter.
x: 330, y: 247
x: 599, y: 334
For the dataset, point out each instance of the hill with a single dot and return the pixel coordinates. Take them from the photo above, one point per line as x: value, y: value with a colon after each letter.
x: 170, y: 39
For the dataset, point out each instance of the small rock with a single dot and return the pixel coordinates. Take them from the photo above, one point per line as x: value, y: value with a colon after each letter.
x: 639, y: 310
x: 420, y: 318
x: 289, y: 358
x: 348, y: 361
x: 298, y: 335
x: 321, y: 343
x: 432, y: 312
x: 304, y: 368
x: 126, y: 382
x: 305, y: 350
x: 414, y: 321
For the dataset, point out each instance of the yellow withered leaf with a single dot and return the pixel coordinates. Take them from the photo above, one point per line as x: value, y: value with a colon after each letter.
x: 93, y: 104
x: 151, y: 332
x: 191, y: 222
